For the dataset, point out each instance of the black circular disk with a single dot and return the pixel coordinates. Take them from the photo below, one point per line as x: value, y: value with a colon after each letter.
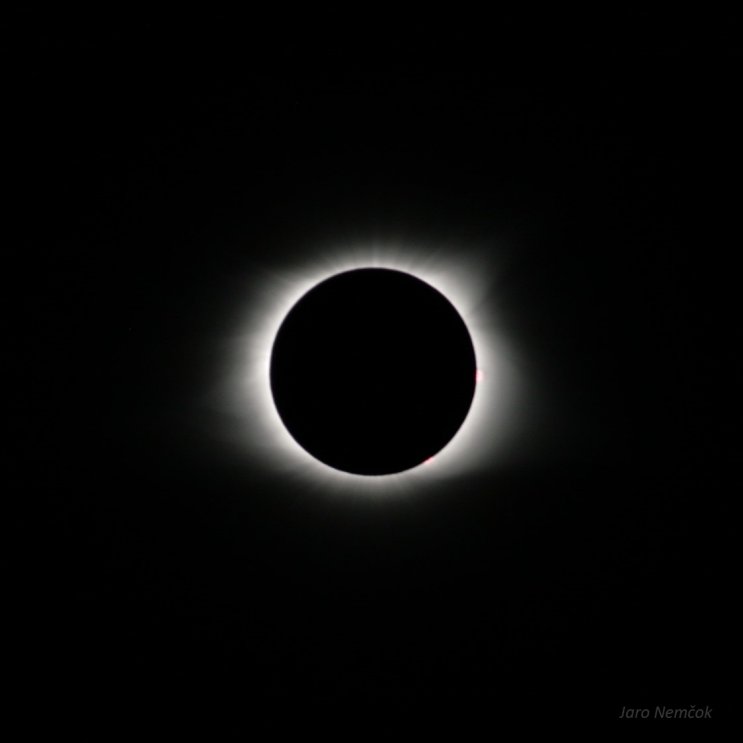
x: 373, y: 371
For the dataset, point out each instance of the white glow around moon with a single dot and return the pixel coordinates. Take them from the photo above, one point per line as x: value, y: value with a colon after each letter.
x: 246, y: 392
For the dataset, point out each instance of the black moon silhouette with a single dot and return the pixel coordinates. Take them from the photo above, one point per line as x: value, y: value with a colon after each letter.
x: 373, y: 371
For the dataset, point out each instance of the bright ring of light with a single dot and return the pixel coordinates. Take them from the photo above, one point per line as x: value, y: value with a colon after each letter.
x: 481, y: 438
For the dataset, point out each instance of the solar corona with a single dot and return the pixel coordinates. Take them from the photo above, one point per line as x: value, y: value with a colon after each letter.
x: 372, y: 371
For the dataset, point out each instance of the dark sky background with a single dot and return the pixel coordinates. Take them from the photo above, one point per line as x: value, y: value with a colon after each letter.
x: 156, y: 166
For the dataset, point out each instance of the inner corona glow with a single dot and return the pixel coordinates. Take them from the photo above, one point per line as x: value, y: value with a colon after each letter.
x: 480, y: 440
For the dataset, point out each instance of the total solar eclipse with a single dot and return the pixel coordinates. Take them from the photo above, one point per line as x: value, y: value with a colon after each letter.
x: 372, y: 371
